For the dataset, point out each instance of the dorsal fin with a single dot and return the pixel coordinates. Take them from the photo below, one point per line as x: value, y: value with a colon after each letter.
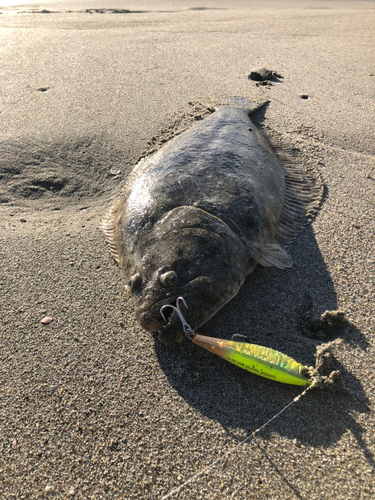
x: 108, y: 226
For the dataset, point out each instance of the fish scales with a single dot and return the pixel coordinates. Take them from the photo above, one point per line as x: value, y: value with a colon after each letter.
x: 195, y: 218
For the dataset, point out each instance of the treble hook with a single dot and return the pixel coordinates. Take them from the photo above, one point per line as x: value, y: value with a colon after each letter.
x: 188, y: 331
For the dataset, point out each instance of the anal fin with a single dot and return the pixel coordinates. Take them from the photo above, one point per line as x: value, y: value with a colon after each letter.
x: 304, y: 190
x: 275, y: 255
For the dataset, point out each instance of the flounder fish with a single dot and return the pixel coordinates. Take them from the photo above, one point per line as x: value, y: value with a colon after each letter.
x: 196, y: 217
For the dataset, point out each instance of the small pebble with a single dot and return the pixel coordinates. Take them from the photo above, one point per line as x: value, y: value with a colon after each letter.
x: 46, y: 320
x: 48, y: 488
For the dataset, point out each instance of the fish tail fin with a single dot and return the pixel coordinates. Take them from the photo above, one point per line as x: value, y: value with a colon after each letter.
x: 240, y: 102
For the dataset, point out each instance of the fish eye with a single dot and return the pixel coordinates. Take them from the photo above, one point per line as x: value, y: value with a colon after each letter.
x: 169, y: 279
x: 135, y: 282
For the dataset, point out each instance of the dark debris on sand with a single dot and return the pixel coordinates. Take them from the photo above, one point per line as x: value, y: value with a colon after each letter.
x: 263, y: 76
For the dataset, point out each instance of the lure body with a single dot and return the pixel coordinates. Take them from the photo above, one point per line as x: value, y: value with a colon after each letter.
x: 256, y: 359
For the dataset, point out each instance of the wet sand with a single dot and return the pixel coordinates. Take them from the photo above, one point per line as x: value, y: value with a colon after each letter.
x: 91, y: 405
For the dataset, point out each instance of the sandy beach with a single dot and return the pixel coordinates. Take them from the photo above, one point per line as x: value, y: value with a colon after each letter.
x: 92, y: 406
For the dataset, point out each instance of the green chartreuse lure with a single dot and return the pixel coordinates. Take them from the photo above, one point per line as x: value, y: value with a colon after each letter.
x: 254, y: 358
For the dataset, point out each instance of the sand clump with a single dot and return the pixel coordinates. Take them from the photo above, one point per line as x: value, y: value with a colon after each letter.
x: 264, y: 76
x: 330, y: 324
x: 323, y: 376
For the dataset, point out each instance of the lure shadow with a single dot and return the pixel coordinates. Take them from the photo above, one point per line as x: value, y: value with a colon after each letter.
x: 265, y: 311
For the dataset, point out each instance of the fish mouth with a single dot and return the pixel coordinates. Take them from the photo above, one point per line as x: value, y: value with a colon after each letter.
x: 150, y: 317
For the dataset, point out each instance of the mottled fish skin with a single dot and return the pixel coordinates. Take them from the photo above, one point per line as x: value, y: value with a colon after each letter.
x: 195, y: 218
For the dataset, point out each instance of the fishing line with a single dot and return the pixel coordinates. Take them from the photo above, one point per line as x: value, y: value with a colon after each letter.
x: 257, y: 359
x: 212, y: 464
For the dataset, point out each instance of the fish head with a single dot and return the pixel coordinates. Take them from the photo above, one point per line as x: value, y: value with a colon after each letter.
x: 191, y: 254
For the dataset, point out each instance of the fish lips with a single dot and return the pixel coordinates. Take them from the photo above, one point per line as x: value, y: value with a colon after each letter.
x: 152, y: 320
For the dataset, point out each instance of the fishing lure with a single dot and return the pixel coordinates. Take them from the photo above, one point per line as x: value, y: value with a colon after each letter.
x: 256, y: 359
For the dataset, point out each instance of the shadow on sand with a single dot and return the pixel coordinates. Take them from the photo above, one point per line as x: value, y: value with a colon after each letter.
x: 265, y: 311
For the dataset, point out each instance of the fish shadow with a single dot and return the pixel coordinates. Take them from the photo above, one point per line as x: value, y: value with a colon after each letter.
x: 265, y: 311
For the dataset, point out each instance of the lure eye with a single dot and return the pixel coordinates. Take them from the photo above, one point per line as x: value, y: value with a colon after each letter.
x: 135, y: 282
x: 169, y: 279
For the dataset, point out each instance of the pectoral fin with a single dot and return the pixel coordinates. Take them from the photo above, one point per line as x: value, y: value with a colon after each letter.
x: 274, y: 255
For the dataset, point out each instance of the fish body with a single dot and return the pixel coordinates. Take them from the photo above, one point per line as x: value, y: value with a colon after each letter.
x: 195, y: 218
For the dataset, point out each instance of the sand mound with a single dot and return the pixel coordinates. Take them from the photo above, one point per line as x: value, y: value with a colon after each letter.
x: 69, y: 169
